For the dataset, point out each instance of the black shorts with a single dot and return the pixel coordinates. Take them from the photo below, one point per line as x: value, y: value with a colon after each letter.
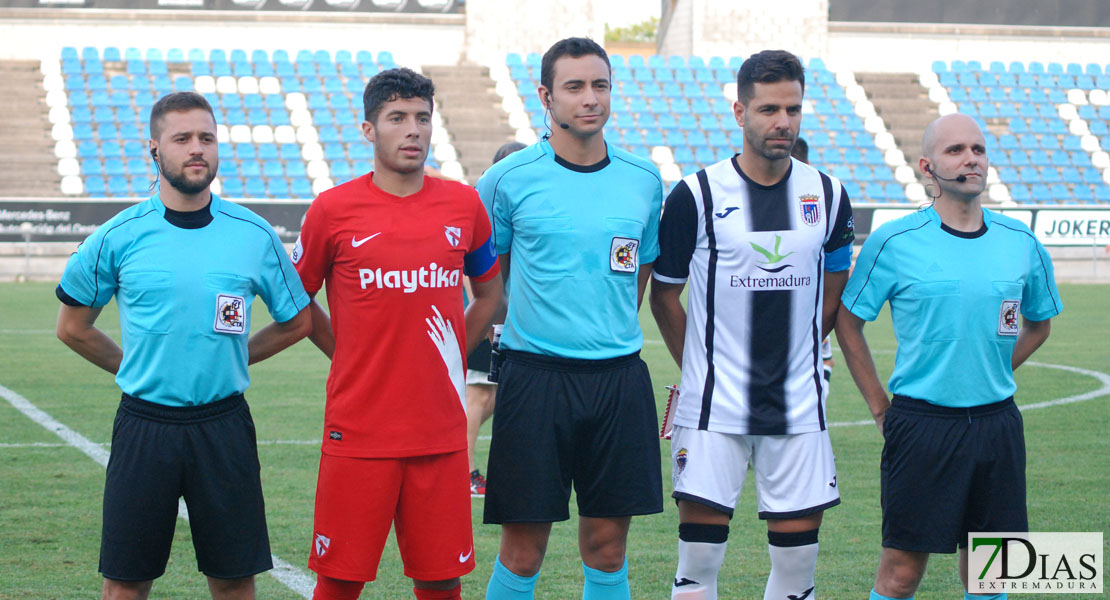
x: 560, y: 420
x: 206, y: 454
x: 479, y: 360
x: 949, y: 471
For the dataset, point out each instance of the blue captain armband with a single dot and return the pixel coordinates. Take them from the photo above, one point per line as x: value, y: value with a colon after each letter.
x: 839, y: 259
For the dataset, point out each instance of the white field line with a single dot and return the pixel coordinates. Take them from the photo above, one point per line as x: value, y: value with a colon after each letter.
x: 292, y: 577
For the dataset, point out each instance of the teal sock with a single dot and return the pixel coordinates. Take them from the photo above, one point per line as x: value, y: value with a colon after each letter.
x: 877, y: 596
x: 506, y: 585
x: 601, y: 585
x: 970, y: 596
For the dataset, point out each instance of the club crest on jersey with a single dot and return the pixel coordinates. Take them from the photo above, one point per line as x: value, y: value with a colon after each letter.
x: 622, y: 254
x: 454, y: 234
x: 811, y: 209
x: 231, y: 314
x: 1008, y: 317
x: 321, y: 544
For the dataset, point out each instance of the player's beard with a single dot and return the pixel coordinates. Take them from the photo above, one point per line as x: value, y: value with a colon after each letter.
x: 778, y: 152
x: 180, y: 182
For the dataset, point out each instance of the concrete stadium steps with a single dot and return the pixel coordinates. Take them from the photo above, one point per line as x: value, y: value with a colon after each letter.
x: 31, y: 169
x: 904, y: 105
x: 471, y: 111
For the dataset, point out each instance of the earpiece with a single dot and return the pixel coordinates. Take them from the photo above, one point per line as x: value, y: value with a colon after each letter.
x: 154, y: 153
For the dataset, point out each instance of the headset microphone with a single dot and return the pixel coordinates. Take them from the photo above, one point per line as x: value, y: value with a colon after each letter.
x: 957, y: 179
x: 560, y: 124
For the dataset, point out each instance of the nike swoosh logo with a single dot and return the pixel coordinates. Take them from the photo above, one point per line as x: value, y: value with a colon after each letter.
x: 684, y: 581
x: 465, y: 557
x: 804, y: 595
x: 356, y: 243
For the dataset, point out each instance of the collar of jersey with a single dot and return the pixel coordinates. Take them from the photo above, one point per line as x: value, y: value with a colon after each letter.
x: 751, y: 182
x: 189, y: 220
x: 967, y: 235
x: 594, y: 168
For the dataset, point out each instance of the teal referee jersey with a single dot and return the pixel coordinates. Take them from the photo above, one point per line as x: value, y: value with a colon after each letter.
x: 577, y: 236
x: 955, y: 299
x: 184, y: 283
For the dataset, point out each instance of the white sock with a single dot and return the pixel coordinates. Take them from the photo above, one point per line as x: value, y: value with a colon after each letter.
x: 701, y: 550
x: 793, y: 562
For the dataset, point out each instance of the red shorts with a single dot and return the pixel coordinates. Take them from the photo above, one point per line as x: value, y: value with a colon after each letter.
x: 427, y: 499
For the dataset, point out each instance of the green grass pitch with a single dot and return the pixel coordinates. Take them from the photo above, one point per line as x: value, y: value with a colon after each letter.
x: 51, y: 495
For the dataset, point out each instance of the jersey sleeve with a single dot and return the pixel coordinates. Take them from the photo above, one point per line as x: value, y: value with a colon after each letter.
x: 678, y: 236
x: 873, y: 280
x: 313, y: 253
x: 279, y: 285
x: 838, y: 248
x: 1040, y: 299
x: 91, y: 275
x: 480, y: 263
x: 499, y: 210
x: 649, y: 245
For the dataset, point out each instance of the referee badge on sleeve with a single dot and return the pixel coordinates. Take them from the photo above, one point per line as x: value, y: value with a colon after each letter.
x: 231, y: 314
x: 622, y: 254
x: 1008, y: 317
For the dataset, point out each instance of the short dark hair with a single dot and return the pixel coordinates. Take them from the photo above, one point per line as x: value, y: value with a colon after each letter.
x: 395, y: 84
x: 572, y: 47
x: 506, y: 149
x: 769, y: 66
x: 800, y: 150
x: 175, y: 102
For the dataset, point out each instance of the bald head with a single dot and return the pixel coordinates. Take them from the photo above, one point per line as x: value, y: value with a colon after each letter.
x: 946, y: 129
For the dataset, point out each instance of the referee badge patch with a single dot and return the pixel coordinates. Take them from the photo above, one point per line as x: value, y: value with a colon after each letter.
x: 1008, y: 317
x: 231, y: 314
x: 811, y: 209
x: 622, y: 254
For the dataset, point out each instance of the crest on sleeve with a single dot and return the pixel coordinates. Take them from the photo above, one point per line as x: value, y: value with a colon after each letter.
x: 622, y: 254
x: 811, y: 209
x: 231, y: 314
x: 1008, y: 317
x: 298, y: 251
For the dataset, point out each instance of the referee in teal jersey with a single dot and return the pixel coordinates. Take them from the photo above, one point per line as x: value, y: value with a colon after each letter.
x: 184, y: 267
x: 971, y: 295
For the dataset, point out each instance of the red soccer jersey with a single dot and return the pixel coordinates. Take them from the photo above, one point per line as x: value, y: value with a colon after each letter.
x: 394, y: 270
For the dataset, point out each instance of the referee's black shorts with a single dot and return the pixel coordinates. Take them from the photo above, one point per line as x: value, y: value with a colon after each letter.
x: 206, y: 454
x: 561, y: 421
x: 950, y: 471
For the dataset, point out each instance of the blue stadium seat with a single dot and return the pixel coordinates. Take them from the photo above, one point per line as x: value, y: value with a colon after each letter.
x: 894, y: 191
x: 250, y: 168
x: 1020, y: 193
x: 697, y: 138
x: 273, y: 168
x: 134, y: 149
x: 95, y: 186
x: 340, y: 170
x: 140, y: 185
x: 301, y: 188
x: 118, y: 186
x: 91, y: 166
x: 111, y: 54
x: 1050, y: 175
x: 295, y: 169
x: 254, y: 187
x: 1102, y: 194
x: 667, y: 121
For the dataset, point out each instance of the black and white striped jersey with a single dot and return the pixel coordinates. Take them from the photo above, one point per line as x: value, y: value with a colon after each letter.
x: 755, y: 257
